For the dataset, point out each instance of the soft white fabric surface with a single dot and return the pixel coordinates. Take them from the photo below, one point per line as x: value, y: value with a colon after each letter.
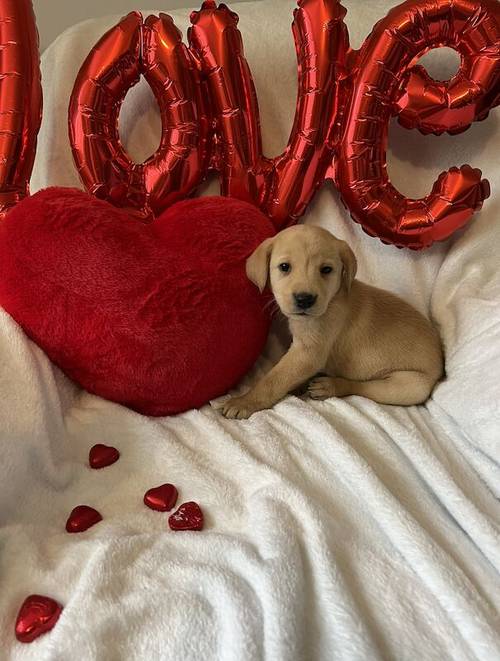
x: 342, y: 529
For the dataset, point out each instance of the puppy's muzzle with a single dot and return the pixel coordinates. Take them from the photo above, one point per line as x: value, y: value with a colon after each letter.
x: 304, y: 300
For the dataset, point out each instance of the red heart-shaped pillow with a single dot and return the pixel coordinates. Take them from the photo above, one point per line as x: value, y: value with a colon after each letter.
x: 159, y: 317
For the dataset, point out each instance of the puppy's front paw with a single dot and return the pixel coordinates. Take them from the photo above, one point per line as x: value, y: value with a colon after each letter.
x: 321, y: 387
x: 241, y: 408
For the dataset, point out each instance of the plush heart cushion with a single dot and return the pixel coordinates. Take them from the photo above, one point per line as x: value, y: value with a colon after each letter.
x: 158, y: 317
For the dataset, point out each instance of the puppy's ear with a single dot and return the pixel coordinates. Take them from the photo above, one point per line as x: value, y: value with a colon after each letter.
x: 349, y: 265
x: 258, y: 264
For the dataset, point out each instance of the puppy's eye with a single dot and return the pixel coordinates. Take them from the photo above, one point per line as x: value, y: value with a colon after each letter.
x: 284, y: 267
x: 325, y: 270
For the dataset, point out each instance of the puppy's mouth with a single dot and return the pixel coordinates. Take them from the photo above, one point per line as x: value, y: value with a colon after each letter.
x: 300, y: 313
x: 311, y: 313
x: 296, y: 313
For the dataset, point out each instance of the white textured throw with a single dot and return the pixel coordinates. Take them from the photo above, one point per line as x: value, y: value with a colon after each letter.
x: 335, y: 530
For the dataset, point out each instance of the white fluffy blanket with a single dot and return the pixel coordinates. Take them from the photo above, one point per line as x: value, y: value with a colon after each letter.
x: 342, y: 529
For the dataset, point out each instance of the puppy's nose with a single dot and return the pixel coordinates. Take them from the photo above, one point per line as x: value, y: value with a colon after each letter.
x: 304, y: 300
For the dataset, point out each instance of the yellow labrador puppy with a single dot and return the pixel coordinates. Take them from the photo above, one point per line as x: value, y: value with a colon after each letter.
x: 348, y: 338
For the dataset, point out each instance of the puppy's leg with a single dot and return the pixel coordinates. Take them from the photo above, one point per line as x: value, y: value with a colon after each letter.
x: 321, y: 387
x: 401, y: 388
x: 296, y: 366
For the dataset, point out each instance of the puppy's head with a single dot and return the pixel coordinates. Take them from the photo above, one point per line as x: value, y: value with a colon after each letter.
x: 305, y: 267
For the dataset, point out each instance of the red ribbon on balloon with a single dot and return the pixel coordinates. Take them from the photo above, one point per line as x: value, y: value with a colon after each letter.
x: 210, y: 114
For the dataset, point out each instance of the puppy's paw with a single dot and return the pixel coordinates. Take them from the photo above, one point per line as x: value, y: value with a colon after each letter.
x: 321, y: 387
x: 241, y: 408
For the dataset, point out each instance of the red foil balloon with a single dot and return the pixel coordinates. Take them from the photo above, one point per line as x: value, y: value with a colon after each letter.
x: 360, y: 168
x: 111, y: 68
x: 115, y: 64
x: 180, y: 163
x: 344, y: 103
x: 321, y: 43
x: 473, y: 29
x: 217, y: 43
x: 20, y: 99
x: 284, y: 186
x: 37, y: 615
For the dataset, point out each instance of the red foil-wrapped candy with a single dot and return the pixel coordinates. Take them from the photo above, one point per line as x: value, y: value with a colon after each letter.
x: 188, y: 517
x: 37, y: 615
x: 101, y: 456
x: 161, y: 498
x: 82, y: 518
